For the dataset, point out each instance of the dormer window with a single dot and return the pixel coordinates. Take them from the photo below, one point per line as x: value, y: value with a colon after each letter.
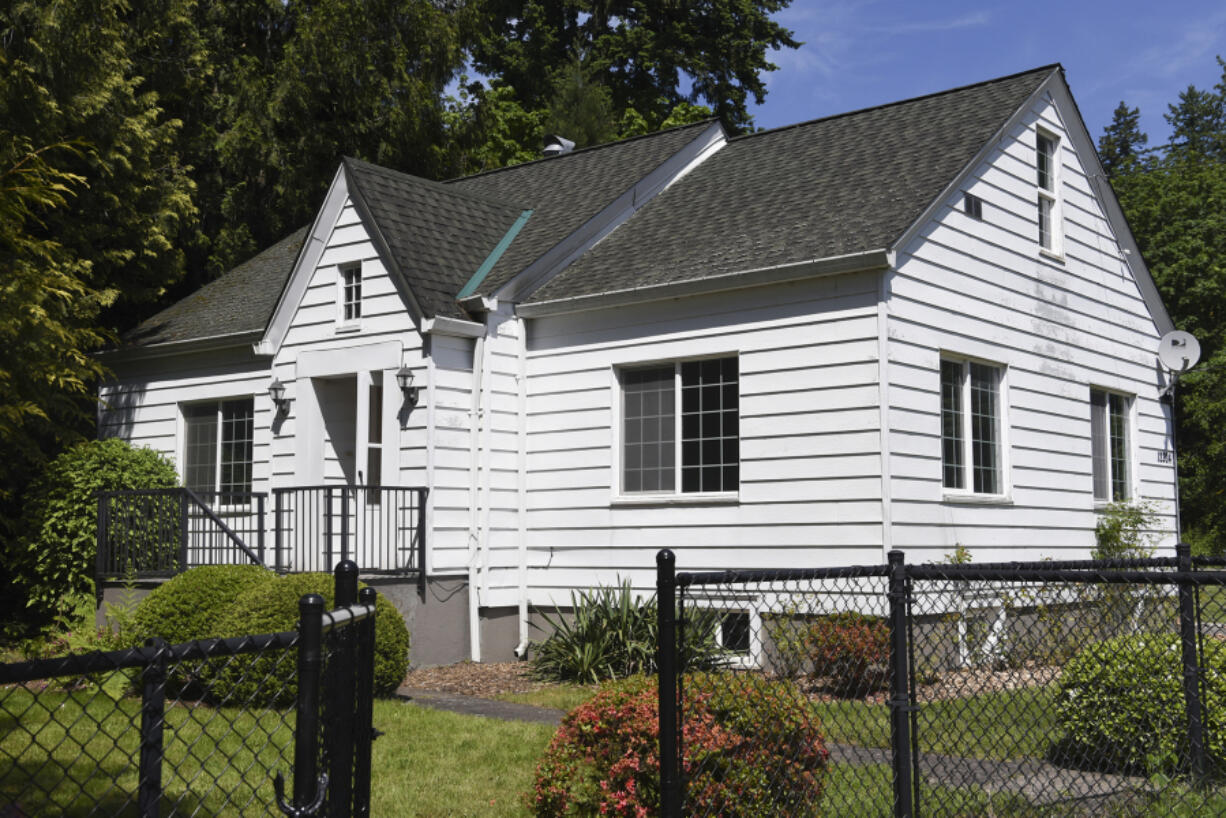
x: 1047, y: 165
x: 350, y: 296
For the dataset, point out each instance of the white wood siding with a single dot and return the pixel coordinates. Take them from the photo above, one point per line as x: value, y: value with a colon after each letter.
x: 809, y: 425
x: 1058, y: 325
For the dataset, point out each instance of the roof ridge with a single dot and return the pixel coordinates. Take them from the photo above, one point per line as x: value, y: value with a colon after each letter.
x: 616, y: 142
x: 354, y: 162
x: 1041, y: 69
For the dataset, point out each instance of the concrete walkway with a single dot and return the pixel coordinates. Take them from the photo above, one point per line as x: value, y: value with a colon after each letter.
x: 475, y: 706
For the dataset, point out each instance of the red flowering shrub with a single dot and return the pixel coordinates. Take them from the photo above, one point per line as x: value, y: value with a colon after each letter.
x: 751, y: 747
x: 850, y: 649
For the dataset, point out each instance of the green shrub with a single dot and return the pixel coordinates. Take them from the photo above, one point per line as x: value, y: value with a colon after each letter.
x: 612, y: 635
x: 851, y: 649
x: 57, y: 548
x: 1121, y: 704
x: 1124, y: 531
x: 272, y: 607
x: 192, y: 605
x: 751, y: 747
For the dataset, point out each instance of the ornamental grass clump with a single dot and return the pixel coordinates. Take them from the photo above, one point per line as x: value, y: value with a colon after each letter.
x: 752, y: 747
x: 1121, y: 706
x: 612, y: 635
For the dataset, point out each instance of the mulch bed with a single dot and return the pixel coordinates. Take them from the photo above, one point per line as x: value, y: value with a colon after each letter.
x: 486, y: 680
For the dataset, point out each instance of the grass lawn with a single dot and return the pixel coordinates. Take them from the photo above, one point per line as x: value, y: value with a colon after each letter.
x: 559, y: 696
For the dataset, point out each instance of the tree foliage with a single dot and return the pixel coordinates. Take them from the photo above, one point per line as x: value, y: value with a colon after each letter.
x: 1175, y: 202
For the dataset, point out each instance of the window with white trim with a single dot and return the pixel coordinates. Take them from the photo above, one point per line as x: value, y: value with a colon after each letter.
x: 1110, y: 449
x: 971, y: 427
x: 350, y: 294
x: 217, y: 447
x: 1047, y: 164
x: 681, y: 428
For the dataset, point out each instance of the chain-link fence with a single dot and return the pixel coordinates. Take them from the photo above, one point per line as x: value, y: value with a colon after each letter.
x: 200, y: 728
x: 1062, y: 689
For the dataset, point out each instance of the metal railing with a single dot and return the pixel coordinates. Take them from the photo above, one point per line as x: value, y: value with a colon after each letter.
x: 1074, y: 688
x: 162, y: 532
x: 203, y: 727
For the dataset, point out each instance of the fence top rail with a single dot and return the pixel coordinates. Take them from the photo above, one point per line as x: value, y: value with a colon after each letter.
x: 99, y: 661
x: 688, y: 578
x: 346, y: 616
x: 1082, y: 576
x: 177, y: 491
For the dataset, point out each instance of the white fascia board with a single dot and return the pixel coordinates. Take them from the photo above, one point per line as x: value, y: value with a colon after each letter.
x: 868, y: 261
x: 304, y: 266
x: 455, y: 327
x: 562, y: 254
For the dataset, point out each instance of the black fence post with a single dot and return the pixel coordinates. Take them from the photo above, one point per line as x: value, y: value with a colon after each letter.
x: 307, y: 782
x: 1191, y: 668
x: 363, y: 721
x: 900, y: 689
x: 666, y: 664
x: 340, y: 727
x: 183, y: 531
x: 259, y: 503
x: 103, y: 526
x: 152, y: 724
x: 421, y: 543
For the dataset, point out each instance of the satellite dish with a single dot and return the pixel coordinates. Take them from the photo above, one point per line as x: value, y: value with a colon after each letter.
x: 1178, y: 350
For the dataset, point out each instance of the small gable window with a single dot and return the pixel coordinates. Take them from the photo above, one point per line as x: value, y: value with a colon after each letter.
x: 1047, y: 164
x: 350, y: 295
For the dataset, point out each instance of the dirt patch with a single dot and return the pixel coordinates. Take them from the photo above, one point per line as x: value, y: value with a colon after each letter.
x: 484, y: 679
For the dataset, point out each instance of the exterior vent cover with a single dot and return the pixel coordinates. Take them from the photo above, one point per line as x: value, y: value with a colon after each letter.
x: 555, y: 145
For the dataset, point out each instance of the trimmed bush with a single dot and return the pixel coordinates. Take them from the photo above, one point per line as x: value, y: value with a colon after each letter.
x: 56, y: 551
x: 192, y: 605
x: 613, y: 635
x: 851, y: 649
x: 272, y: 607
x: 752, y: 747
x: 1121, y: 705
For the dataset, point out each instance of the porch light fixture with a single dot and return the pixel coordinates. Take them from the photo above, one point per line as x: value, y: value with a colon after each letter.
x: 404, y: 379
x: 276, y: 391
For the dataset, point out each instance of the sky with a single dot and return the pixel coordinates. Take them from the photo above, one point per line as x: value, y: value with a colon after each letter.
x: 861, y: 53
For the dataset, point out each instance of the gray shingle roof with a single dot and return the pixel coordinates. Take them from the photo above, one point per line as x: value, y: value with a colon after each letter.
x: 437, y: 235
x: 566, y: 191
x: 240, y: 301
x: 830, y: 187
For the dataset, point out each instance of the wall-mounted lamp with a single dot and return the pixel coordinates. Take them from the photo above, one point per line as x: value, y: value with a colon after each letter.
x: 276, y: 391
x: 404, y: 379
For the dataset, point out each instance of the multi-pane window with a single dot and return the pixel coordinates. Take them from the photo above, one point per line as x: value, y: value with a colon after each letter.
x: 217, y: 447
x: 351, y: 294
x: 1109, y: 446
x: 971, y: 456
x: 374, y: 441
x: 1047, y: 166
x: 681, y: 427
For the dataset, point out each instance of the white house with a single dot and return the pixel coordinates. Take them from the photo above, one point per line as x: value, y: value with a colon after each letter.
x: 916, y: 326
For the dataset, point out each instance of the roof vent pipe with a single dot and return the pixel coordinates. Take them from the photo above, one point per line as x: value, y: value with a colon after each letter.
x: 555, y: 145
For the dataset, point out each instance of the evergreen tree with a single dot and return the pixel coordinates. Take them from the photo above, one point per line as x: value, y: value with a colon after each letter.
x: 1121, y: 143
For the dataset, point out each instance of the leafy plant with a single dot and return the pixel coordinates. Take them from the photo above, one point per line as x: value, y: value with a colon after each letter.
x: 1125, y: 531
x: 193, y: 604
x: 1121, y: 702
x: 751, y: 747
x: 610, y: 634
x: 56, y: 551
x: 851, y: 649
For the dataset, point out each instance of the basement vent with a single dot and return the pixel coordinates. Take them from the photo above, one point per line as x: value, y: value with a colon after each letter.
x: 555, y: 145
x: 972, y: 205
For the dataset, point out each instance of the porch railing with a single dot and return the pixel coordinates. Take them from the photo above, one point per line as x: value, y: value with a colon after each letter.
x: 162, y: 532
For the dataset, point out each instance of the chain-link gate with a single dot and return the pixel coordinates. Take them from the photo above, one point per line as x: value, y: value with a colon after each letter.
x: 1062, y: 689
x: 202, y: 728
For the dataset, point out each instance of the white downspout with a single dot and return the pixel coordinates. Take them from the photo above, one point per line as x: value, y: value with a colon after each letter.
x: 883, y: 407
x: 487, y: 445
x: 474, y: 542
x: 521, y: 649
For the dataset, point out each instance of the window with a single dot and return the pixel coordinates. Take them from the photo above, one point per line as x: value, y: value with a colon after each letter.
x: 351, y: 294
x: 1047, y: 161
x: 734, y: 631
x: 680, y: 427
x: 374, y: 441
x: 1109, y: 447
x: 217, y: 447
x: 971, y: 451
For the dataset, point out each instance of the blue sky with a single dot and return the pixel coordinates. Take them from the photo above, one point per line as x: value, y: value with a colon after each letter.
x: 859, y: 53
